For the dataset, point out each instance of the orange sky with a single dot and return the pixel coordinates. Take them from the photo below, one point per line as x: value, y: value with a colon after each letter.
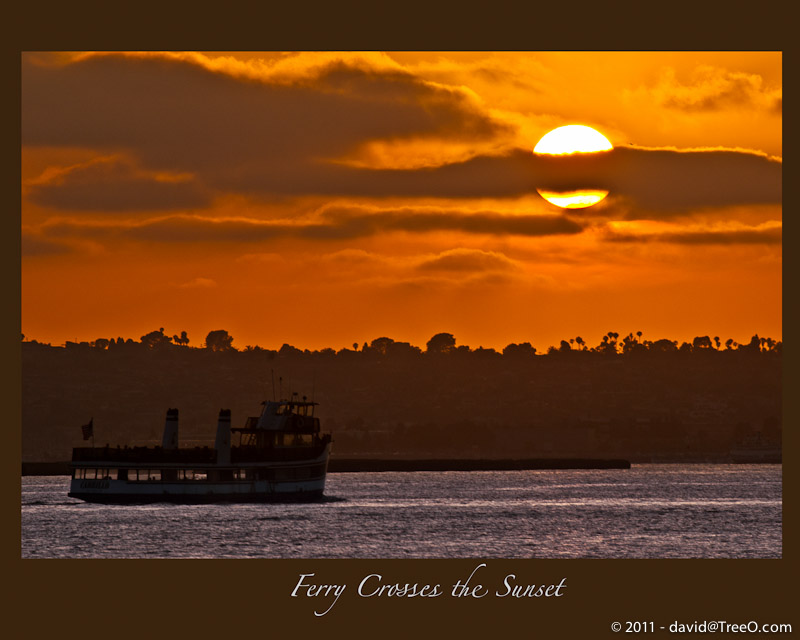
x: 324, y: 199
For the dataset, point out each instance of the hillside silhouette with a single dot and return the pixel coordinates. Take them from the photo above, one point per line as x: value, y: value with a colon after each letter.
x: 624, y: 397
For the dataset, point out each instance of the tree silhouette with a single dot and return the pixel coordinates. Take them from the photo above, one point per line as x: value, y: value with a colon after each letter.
x: 219, y: 340
x: 441, y: 343
x: 608, y: 346
x: 629, y: 343
x: 445, y: 343
x: 754, y: 346
x: 701, y: 343
x: 182, y: 339
x: 378, y: 347
x: 519, y: 350
x: 155, y: 339
x: 289, y: 350
x: 387, y: 347
x: 664, y: 346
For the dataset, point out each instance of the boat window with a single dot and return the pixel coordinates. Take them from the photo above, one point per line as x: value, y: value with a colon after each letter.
x: 200, y: 475
x: 154, y: 474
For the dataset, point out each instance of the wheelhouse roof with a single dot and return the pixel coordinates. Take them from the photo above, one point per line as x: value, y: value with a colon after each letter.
x: 302, y: 403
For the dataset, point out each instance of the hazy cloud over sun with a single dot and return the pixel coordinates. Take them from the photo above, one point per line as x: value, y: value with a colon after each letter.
x: 659, y: 182
x: 656, y: 182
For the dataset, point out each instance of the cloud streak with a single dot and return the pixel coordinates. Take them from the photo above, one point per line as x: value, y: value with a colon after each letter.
x: 34, y: 245
x: 771, y: 234
x: 329, y: 224
x: 112, y: 184
x: 468, y: 260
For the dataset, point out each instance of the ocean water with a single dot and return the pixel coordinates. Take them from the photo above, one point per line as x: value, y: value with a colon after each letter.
x: 648, y: 511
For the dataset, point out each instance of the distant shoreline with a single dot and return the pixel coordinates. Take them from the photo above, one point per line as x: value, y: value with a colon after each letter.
x: 373, y: 465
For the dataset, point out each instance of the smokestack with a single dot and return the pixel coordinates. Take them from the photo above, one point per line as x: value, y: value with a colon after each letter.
x: 223, y: 441
x: 170, y: 439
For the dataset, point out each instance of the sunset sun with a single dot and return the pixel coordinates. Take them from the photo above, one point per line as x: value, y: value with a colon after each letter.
x: 570, y: 139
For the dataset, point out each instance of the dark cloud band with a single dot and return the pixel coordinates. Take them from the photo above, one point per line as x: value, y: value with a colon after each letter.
x: 263, y: 139
x: 770, y: 236
x: 333, y: 224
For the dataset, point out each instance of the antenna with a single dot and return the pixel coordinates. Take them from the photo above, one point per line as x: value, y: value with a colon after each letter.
x: 272, y: 372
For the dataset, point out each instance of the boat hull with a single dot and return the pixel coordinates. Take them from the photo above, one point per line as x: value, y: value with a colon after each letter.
x: 102, y: 481
x: 124, y: 492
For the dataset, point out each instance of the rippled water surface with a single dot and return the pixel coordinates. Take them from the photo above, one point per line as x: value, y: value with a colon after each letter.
x: 648, y: 511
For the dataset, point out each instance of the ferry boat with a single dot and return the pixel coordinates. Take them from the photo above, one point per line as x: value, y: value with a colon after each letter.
x: 281, y: 455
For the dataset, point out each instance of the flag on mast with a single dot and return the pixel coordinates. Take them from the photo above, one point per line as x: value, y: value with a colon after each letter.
x: 88, y: 429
